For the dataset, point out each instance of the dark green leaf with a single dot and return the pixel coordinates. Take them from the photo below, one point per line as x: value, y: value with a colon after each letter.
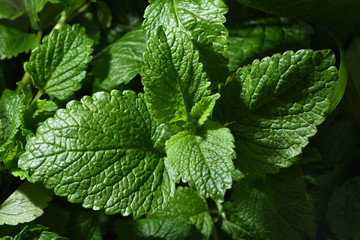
x: 271, y: 207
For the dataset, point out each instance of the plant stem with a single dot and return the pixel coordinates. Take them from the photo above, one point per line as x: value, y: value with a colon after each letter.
x: 38, y: 96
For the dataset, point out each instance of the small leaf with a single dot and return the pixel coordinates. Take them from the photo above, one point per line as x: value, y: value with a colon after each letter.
x: 58, y: 65
x: 202, y: 24
x: 204, y: 160
x: 25, y: 204
x: 37, y: 232
x: 100, y: 152
x: 172, y: 76
x: 121, y: 61
x: 203, y: 109
x: 14, y: 40
x: 274, y: 105
x: 344, y: 210
x: 273, y: 207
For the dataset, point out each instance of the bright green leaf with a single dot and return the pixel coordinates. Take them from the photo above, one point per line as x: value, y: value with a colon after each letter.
x: 14, y: 40
x: 274, y: 105
x: 204, y: 160
x: 272, y: 207
x: 100, y: 152
x: 203, y: 109
x: 58, y: 65
x: 121, y: 61
x: 344, y: 210
x: 264, y: 37
x: 25, y: 204
x: 172, y: 76
x: 202, y: 23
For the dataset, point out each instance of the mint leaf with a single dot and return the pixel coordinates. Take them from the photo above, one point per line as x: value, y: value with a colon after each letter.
x: 36, y: 232
x: 25, y: 204
x: 204, y: 160
x: 344, y: 210
x: 203, y: 109
x: 14, y: 40
x: 11, y: 118
x: 264, y: 37
x: 172, y: 76
x: 121, y: 61
x: 274, y: 105
x: 271, y: 207
x: 10, y: 9
x: 58, y: 65
x: 99, y: 152
x: 202, y: 23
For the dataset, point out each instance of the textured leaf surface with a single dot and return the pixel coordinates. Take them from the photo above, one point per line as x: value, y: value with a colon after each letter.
x: 202, y: 21
x: 204, y: 160
x: 344, y: 210
x: 11, y: 117
x: 58, y: 65
x: 272, y: 207
x: 274, y: 105
x: 25, y: 204
x: 100, y: 152
x: 327, y: 11
x: 261, y: 38
x: 121, y: 61
x: 172, y: 76
x: 14, y: 40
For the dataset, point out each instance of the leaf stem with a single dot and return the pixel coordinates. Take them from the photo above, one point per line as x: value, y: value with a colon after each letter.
x: 37, y: 97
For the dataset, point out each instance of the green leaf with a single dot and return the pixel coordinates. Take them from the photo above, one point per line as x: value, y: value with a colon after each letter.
x: 25, y: 204
x: 10, y: 9
x: 324, y: 11
x: 202, y: 23
x: 36, y: 232
x: 100, y: 152
x: 14, y: 40
x: 344, y: 210
x: 58, y: 65
x: 274, y: 105
x: 11, y: 118
x: 172, y: 76
x: 264, y: 37
x: 120, y: 62
x: 203, y: 109
x: 38, y: 112
x: 271, y: 207
x: 204, y: 160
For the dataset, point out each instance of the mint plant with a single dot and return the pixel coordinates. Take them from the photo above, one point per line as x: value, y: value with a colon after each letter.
x: 177, y: 120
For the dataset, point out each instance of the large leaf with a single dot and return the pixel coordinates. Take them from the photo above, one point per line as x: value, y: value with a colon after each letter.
x: 272, y: 207
x: 10, y: 9
x: 264, y: 37
x: 25, y: 204
x: 14, y: 39
x: 344, y: 210
x: 100, y: 152
x: 172, y: 76
x: 203, y: 159
x: 11, y: 118
x: 121, y: 61
x: 58, y: 65
x: 274, y: 105
x: 202, y: 22
x: 327, y: 11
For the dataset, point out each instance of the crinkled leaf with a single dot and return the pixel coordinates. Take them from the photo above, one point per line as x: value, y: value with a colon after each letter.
x: 38, y: 112
x: 100, y: 152
x: 11, y: 118
x: 203, y: 109
x: 121, y: 61
x: 204, y: 160
x: 344, y: 210
x: 202, y: 22
x: 58, y: 65
x: 271, y: 207
x: 172, y: 76
x: 25, y: 204
x: 325, y: 11
x: 264, y: 37
x: 274, y: 105
x: 14, y: 40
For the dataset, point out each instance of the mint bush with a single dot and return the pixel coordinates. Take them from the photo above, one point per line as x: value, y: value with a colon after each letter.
x: 178, y: 120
